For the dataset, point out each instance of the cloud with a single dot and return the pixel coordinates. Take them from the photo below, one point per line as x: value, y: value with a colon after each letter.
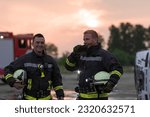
x: 64, y: 21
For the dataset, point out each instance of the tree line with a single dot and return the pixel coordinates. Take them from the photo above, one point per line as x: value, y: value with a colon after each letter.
x: 127, y: 39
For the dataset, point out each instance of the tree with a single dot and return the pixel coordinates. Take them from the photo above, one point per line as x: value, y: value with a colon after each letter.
x: 114, y: 39
x: 129, y: 38
x: 101, y: 40
x: 52, y: 50
x: 139, y: 37
x: 61, y: 62
x: 62, y: 59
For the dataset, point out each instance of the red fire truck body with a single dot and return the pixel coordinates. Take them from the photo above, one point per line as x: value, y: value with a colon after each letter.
x: 12, y: 47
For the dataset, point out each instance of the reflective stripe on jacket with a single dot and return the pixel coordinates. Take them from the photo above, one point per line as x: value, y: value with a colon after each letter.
x: 91, y: 62
x: 42, y: 72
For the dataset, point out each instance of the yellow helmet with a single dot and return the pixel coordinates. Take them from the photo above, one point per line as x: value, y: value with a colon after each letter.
x: 101, y: 78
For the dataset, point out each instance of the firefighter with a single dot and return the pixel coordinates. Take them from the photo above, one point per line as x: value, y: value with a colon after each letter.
x: 90, y: 59
x: 42, y: 71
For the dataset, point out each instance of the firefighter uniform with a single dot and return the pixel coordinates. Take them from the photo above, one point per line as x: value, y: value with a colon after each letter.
x: 91, y: 61
x: 42, y: 75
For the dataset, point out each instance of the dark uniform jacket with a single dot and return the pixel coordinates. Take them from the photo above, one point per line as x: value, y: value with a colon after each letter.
x: 42, y: 74
x: 91, y: 61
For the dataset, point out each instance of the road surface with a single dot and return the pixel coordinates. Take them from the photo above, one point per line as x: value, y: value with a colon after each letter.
x: 125, y: 90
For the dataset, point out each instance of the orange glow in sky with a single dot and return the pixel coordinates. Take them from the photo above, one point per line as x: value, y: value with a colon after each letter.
x: 89, y: 19
x: 63, y: 21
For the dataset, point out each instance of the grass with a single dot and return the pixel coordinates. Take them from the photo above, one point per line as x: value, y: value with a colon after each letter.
x: 128, y: 69
x: 63, y: 70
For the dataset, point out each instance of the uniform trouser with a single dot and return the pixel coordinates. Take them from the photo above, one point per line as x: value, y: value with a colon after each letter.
x: 35, y: 98
x: 100, y: 98
x: 92, y: 96
x: 37, y: 95
x: 43, y: 97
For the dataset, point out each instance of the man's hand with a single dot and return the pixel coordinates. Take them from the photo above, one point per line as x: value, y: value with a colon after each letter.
x: 108, y: 87
x: 111, y: 83
x: 79, y: 48
x: 60, y: 94
x: 18, y: 85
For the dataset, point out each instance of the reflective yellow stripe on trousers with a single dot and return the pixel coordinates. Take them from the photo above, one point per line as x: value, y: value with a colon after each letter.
x: 28, y: 97
x: 92, y: 95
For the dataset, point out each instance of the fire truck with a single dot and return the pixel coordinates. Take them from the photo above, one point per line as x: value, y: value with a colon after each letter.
x: 13, y: 46
x: 142, y: 74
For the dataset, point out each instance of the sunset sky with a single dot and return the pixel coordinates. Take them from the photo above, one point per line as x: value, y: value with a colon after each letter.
x: 63, y: 21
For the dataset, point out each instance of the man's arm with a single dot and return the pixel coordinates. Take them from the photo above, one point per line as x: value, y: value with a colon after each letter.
x: 116, y: 71
x: 71, y: 63
x: 9, y: 71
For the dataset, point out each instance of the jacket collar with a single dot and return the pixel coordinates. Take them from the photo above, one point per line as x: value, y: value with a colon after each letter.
x: 34, y: 54
x: 94, y: 47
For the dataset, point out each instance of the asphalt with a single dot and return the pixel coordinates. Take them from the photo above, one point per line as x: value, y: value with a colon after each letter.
x: 125, y: 89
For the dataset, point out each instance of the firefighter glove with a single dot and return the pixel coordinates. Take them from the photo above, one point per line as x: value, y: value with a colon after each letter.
x: 60, y: 94
x: 76, y: 89
x: 109, y: 86
x: 76, y: 49
x: 111, y: 83
x: 79, y: 49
